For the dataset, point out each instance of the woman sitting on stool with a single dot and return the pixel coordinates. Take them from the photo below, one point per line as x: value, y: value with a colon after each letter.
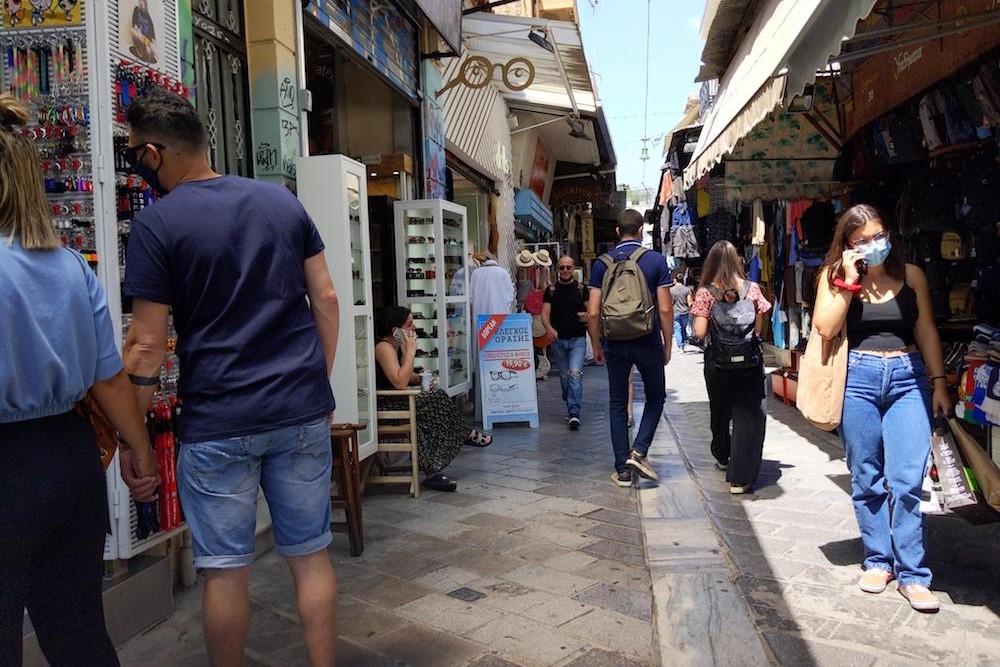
x: 441, y: 430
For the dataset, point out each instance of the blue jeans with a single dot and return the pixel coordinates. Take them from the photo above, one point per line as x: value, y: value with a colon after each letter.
x: 218, y: 482
x: 568, y: 353
x: 886, y: 430
x: 647, y: 357
x: 681, y: 329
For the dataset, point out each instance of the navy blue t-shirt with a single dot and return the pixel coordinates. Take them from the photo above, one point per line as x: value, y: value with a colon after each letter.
x: 653, y: 266
x: 228, y: 254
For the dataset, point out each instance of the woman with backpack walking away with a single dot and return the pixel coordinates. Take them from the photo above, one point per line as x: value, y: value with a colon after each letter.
x: 729, y: 313
x: 895, y: 382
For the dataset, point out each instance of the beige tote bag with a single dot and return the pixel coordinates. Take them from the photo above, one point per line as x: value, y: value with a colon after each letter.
x: 823, y: 380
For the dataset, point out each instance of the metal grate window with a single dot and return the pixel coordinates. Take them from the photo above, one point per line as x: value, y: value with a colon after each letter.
x: 221, y: 87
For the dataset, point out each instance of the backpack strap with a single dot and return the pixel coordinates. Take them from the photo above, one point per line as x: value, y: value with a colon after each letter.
x: 607, y: 260
x: 639, y: 252
x: 745, y: 289
x: 716, y: 294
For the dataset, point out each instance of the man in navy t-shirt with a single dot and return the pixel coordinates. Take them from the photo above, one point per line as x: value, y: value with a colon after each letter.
x: 242, y: 266
x: 648, y: 353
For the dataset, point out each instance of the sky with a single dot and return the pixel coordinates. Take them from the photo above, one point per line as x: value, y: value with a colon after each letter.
x: 614, y: 39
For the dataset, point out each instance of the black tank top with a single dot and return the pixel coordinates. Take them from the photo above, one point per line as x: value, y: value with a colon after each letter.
x: 882, y: 327
x: 382, y: 380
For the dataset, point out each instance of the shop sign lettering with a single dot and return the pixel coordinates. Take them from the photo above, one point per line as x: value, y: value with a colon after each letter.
x: 907, y: 59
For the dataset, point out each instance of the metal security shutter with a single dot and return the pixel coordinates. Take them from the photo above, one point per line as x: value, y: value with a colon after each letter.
x: 221, y: 88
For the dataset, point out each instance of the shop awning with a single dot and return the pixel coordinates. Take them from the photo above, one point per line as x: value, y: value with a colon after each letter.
x: 788, y: 155
x: 787, y: 43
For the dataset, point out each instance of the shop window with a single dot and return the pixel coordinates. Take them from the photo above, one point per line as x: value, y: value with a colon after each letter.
x: 222, y: 90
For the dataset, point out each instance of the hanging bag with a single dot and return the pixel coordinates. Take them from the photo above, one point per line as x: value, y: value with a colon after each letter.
x: 823, y: 380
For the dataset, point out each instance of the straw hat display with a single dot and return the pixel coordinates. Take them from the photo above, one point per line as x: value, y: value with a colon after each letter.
x: 525, y: 259
x: 542, y: 258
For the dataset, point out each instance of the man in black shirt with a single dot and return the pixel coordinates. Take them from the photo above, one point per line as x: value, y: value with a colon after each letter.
x: 564, y: 314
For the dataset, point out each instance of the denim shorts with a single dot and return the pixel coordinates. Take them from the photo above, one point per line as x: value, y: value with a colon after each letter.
x: 218, y: 482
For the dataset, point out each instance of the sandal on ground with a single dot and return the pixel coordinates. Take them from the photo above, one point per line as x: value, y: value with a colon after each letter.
x: 440, y: 482
x: 479, y: 439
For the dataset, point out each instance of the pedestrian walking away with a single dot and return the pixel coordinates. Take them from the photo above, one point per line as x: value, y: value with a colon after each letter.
x: 631, y: 325
x: 564, y: 315
x: 729, y: 313
x: 242, y: 267
x: 895, y: 382
x: 58, y: 346
x: 682, y: 298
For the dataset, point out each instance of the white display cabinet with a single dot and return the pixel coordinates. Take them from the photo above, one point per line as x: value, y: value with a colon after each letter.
x: 432, y: 253
x: 333, y: 190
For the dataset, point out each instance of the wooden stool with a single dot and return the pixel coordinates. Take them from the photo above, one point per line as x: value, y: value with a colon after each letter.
x: 347, y: 475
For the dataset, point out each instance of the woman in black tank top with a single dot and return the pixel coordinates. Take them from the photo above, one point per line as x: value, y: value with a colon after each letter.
x: 441, y: 429
x: 895, y: 382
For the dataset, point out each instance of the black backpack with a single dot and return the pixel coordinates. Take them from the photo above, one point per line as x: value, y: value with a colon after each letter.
x: 733, y: 345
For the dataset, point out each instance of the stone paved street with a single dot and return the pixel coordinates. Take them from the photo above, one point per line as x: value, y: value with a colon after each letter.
x: 536, y: 529
x: 561, y: 561
x: 794, y: 549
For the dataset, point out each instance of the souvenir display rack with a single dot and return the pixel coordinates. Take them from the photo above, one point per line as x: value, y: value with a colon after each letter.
x: 431, y: 235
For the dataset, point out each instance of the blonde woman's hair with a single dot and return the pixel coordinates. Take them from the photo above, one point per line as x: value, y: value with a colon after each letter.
x: 24, y: 211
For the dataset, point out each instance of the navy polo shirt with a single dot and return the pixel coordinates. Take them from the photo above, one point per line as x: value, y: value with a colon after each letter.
x: 653, y: 266
x: 228, y: 255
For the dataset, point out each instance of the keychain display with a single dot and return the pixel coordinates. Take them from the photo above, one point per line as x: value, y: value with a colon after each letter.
x: 46, y: 70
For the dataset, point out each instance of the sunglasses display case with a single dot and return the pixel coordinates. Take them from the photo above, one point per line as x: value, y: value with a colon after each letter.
x: 333, y: 190
x: 432, y: 252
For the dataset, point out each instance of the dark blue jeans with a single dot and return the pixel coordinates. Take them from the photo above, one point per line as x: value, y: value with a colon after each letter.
x: 647, y: 357
x: 886, y: 430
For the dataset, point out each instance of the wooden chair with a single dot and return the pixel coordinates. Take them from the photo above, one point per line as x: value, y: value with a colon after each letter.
x: 394, y: 439
x: 346, y: 474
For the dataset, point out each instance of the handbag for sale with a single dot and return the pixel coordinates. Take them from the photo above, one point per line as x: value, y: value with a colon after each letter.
x: 823, y: 380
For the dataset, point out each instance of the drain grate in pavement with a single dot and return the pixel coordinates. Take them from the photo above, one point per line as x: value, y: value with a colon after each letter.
x: 466, y: 594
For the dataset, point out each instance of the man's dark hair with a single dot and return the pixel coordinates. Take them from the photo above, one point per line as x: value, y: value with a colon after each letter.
x: 168, y: 118
x: 629, y: 223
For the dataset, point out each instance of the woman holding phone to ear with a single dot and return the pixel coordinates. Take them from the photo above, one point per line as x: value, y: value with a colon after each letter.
x: 895, y: 379
x: 441, y: 430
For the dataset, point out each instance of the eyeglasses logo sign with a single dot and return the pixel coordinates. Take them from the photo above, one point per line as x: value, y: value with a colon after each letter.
x: 477, y: 72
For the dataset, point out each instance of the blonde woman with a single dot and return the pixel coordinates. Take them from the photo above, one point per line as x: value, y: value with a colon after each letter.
x: 57, y: 343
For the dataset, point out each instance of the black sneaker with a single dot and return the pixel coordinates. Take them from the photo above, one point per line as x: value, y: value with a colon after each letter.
x: 721, y: 465
x: 622, y: 478
x: 574, y: 422
x: 641, y: 466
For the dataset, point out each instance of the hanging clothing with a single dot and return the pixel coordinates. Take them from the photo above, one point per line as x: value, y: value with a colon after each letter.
x: 757, y: 233
x: 683, y: 242
x: 490, y: 289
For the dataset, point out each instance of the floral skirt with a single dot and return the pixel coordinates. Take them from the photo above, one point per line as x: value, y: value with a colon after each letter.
x: 441, y: 431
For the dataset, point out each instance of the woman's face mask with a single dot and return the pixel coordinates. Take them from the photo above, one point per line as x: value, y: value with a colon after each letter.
x: 875, y: 249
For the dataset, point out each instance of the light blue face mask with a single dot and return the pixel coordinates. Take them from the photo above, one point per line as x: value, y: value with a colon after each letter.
x: 876, y: 252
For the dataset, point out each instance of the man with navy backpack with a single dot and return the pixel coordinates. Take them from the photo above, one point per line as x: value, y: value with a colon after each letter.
x: 630, y: 321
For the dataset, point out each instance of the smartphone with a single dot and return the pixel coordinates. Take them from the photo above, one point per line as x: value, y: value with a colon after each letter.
x: 399, y: 334
x: 862, y: 267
